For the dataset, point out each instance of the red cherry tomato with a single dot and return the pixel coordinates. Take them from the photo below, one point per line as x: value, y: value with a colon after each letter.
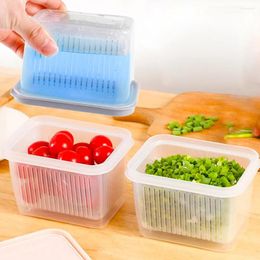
x: 75, y: 146
x: 60, y: 142
x: 100, y: 140
x: 43, y: 151
x: 36, y: 145
x: 30, y: 194
x: 69, y: 134
x: 85, y: 155
x: 102, y: 153
x: 69, y: 155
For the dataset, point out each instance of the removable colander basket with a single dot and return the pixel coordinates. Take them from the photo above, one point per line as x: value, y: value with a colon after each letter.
x: 93, y: 64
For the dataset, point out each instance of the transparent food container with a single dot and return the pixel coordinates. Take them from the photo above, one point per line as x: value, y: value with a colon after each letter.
x: 88, y: 195
x: 93, y: 67
x: 51, y: 244
x: 186, y: 212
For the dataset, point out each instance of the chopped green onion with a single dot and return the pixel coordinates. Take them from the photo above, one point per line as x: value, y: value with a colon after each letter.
x: 197, y: 129
x: 194, y: 123
x: 239, y: 135
x: 242, y: 133
x: 173, y: 124
x: 212, y: 171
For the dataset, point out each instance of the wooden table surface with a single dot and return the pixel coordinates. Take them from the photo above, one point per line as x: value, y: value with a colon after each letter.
x: 121, y: 238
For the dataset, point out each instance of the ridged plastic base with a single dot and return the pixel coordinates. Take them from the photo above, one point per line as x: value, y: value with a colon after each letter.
x: 99, y: 223
x: 121, y: 109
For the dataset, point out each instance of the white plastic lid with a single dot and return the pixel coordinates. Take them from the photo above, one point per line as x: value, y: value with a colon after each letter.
x: 49, y: 244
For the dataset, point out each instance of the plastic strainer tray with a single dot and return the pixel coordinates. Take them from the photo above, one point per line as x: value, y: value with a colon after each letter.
x: 93, y: 65
x: 113, y: 110
x: 49, y: 244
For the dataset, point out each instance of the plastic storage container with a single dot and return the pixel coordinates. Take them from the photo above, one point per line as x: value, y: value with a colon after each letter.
x: 51, y: 244
x: 186, y: 212
x: 88, y: 195
x: 94, y: 65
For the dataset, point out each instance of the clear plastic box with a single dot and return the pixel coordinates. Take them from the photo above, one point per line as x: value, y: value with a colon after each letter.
x: 186, y: 212
x: 51, y: 244
x: 94, y: 64
x: 88, y: 195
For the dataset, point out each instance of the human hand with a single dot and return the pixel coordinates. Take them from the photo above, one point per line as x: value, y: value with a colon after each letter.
x: 17, y: 25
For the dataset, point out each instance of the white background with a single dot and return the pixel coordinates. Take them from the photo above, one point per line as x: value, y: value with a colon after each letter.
x: 212, y: 45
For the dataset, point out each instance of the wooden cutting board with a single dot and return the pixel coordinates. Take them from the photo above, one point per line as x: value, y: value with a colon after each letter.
x: 244, y: 112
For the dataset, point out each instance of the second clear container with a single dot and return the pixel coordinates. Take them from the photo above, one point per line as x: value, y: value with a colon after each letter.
x: 186, y: 212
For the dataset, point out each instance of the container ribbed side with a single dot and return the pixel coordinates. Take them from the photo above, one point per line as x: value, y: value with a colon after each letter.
x: 184, y: 213
x: 39, y: 188
x: 84, y: 69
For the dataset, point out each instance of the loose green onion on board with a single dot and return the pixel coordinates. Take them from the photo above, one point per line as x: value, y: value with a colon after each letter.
x: 194, y: 123
x: 212, y: 171
x: 244, y: 133
x: 241, y: 133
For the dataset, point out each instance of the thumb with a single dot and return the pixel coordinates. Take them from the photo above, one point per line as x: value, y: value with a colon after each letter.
x: 36, y: 36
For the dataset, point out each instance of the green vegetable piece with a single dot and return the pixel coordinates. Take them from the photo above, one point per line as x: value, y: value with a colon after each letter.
x: 213, y: 118
x: 177, y: 129
x: 208, y: 123
x: 244, y: 131
x: 176, y: 132
x: 194, y: 123
x: 225, y: 182
x: 188, y: 129
x: 173, y: 124
x: 189, y: 124
x: 224, y: 170
x: 197, y: 129
x: 213, y: 175
x: 231, y: 177
x: 205, y: 180
x: 239, y: 135
x: 184, y: 131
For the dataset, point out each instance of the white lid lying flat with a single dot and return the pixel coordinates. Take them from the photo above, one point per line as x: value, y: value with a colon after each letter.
x: 49, y: 244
